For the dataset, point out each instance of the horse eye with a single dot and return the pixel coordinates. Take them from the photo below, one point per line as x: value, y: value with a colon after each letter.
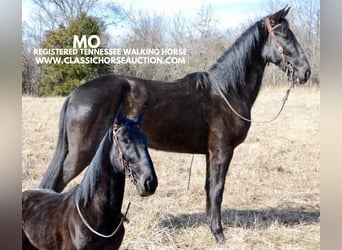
x: 286, y: 35
x: 125, y: 140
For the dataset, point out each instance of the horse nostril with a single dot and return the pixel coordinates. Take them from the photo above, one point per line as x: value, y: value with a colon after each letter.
x: 150, y: 184
x: 307, y: 74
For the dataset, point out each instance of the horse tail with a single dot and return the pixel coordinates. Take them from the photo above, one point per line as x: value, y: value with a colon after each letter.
x: 54, y: 173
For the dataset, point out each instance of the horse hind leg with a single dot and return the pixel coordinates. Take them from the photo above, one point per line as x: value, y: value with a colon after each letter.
x: 74, y: 163
x: 61, y: 173
x: 80, y: 133
x: 68, y: 162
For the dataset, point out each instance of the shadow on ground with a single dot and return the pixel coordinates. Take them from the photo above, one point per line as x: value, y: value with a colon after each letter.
x: 262, y: 218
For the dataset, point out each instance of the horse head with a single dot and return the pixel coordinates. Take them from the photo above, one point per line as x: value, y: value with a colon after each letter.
x: 283, y: 49
x: 135, y: 160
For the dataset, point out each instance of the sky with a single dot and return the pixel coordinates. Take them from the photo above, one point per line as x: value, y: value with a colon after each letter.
x: 229, y: 13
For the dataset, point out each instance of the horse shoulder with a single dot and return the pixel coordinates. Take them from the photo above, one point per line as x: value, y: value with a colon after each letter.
x: 225, y: 127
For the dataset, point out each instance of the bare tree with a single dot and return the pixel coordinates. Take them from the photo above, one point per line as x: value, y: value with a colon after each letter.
x: 207, y: 40
x: 30, y: 70
x: 200, y: 38
x: 307, y: 28
x: 146, y: 31
x: 57, y: 12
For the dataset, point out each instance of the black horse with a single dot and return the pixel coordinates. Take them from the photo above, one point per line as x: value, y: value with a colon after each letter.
x: 89, y: 215
x: 188, y: 115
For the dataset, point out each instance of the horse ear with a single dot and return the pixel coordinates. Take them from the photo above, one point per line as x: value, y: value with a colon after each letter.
x: 275, y: 18
x: 120, y: 115
x: 286, y: 11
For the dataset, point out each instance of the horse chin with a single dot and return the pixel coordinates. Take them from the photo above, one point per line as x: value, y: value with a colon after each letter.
x: 297, y: 79
x: 142, y: 191
x: 300, y: 76
x: 301, y: 80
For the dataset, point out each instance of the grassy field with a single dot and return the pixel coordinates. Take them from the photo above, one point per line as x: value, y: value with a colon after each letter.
x: 272, y: 192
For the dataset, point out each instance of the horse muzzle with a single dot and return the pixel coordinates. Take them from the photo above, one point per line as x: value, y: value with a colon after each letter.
x: 298, y: 73
x: 147, y: 185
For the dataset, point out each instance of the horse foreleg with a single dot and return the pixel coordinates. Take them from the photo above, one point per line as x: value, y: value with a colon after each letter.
x: 219, y: 164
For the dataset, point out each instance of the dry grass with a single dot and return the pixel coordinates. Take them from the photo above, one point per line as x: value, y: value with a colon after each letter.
x: 272, y: 194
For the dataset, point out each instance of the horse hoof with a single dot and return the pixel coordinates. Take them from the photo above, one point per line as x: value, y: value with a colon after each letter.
x: 220, y: 239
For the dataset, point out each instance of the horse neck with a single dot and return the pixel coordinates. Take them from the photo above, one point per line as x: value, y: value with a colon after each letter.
x: 240, y: 69
x: 102, y: 188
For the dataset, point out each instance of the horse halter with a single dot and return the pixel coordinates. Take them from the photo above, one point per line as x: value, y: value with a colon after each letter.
x: 128, y: 170
x: 288, y: 64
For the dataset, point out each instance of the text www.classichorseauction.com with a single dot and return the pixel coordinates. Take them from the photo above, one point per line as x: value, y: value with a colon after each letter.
x: 85, y: 51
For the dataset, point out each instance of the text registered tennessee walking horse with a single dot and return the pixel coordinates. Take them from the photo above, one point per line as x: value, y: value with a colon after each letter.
x: 188, y: 115
x: 89, y: 215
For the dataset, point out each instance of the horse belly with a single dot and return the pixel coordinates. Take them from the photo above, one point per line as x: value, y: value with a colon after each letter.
x: 184, y: 132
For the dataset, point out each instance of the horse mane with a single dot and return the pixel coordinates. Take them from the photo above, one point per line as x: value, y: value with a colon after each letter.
x: 195, y: 80
x: 230, y: 70
x: 87, y: 187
